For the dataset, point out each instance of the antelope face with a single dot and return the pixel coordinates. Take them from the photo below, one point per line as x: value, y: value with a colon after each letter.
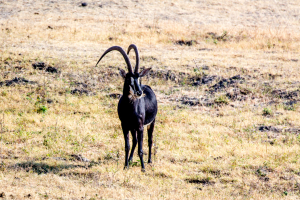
x: 135, y: 86
x: 133, y: 81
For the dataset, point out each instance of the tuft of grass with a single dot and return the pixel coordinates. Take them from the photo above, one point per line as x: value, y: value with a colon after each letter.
x: 267, y: 112
x: 4, y: 93
x: 42, y: 109
x: 222, y: 99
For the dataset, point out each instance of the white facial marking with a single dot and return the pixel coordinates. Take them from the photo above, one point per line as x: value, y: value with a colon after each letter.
x: 131, y: 89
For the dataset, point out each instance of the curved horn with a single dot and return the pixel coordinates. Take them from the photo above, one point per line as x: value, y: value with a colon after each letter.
x: 117, y: 48
x: 137, y: 57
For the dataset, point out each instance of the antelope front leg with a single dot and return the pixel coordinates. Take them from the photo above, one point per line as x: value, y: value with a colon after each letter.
x: 127, y: 145
x: 150, y: 139
x: 134, y: 142
x: 140, y: 147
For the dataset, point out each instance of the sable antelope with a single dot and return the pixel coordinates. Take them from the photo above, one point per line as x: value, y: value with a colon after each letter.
x: 137, y: 107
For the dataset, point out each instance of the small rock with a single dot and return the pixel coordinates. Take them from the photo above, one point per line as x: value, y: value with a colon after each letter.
x: 269, y: 128
x: 262, y: 171
x: 49, y: 101
x: 59, y: 158
x: 39, y: 65
x: 51, y: 70
x: 82, y: 91
x: 205, y: 49
x: 217, y: 158
x: 266, y: 179
x: 205, y: 67
x: 83, y: 4
x: 185, y: 42
x: 196, y: 83
x: 80, y: 158
x: 190, y: 102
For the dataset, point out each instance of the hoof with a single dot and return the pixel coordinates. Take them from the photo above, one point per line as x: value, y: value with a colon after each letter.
x: 126, y: 167
x: 149, y: 161
x: 143, y: 170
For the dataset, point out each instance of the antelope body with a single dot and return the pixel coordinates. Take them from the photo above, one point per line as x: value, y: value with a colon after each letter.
x: 137, y: 107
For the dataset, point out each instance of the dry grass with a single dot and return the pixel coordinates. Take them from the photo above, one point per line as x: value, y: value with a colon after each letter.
x: 215, y: 148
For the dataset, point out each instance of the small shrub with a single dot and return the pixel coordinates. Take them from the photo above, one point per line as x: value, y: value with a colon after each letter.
x: 133, y: 164
x: 267, y: 111
x: 42, y: 109
x: 4, y: 93
x: 47, y: 142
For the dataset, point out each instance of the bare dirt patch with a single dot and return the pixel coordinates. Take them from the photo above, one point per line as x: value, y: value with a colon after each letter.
x: 292, y: 130
x: 283, y: 94
x: 204, y: 182
x: 16, y: 81
x: 228, y: 82
x: 186, y: 42
x: 43, y: 66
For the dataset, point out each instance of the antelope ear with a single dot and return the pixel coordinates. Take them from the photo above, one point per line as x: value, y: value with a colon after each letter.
x: 122, y: 73
x: 145, y: 72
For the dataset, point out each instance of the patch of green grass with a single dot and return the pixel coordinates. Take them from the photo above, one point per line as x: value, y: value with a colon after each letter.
x: 267, y: 112
x: 42, y: 109
x: 222, y: 100
x: 4, y: 93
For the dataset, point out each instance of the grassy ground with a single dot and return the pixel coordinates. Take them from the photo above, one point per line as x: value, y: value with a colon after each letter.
x: 226, y: 75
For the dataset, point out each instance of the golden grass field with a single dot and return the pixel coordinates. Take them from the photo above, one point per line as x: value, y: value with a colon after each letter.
x: 226, y: 75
